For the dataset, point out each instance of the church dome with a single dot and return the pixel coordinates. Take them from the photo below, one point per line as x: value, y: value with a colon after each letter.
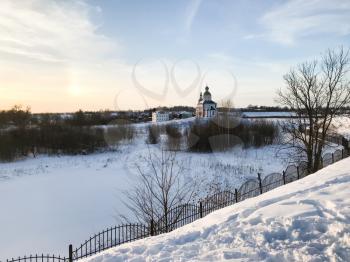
x: 207, y: 91
x: 207, y: 94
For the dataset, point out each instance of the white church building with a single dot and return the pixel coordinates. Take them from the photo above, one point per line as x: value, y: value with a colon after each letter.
x: 206, y: 107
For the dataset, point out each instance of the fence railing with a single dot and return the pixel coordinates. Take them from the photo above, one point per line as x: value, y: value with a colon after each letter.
x: 108, y: 238
x: 184, y: 214
x: 39, y: 258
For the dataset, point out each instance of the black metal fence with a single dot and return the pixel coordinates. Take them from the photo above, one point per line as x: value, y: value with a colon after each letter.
x: 39, y: 258
x: 108, y: 238
x: 184, y: 214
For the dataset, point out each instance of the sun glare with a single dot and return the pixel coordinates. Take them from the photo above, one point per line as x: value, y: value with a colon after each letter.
x: 75, y: 90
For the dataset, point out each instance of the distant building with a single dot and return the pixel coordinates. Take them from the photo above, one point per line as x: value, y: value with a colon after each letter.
x: 185, y: 114
x: 206, y: 107
x: 159, y: 116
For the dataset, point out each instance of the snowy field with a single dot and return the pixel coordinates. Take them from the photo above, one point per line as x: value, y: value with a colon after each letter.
x: 307, y: 220
x: 268, y: 114
x: 50, y: 202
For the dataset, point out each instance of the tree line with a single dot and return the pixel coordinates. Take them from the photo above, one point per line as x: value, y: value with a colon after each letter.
x: 22, y: 134
x: 210, y: 136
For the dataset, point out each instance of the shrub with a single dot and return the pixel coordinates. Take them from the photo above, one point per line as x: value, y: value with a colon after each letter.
x: 8, y: 150
x: 153, y: 134
x: 174, y: 135
x: 207, y: 136
x: 118, y: 133
x: 263, y: 133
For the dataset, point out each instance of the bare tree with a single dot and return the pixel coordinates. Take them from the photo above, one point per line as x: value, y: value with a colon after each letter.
x: 160, y: 186
x: 316, y: 91
x: 20, y: 117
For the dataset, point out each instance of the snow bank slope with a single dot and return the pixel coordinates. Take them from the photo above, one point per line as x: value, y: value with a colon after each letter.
x: 308, y: 220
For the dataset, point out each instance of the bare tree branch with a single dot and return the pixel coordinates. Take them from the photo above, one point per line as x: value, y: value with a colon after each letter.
x: 160, y: 186
x: 316, y: 92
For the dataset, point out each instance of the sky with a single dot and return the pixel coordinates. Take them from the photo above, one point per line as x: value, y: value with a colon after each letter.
x: 62, y: 56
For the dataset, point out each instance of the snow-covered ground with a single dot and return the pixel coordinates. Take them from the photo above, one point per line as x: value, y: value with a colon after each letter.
x: 48, y: 203
x: 308, y: 220
x: 268, y: 114
x: 341, y: 125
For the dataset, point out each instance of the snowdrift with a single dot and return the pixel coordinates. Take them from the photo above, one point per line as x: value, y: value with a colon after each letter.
x: 307, y: 220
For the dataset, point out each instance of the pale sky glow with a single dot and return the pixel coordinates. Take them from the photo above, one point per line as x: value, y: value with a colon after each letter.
x: 60, y: 56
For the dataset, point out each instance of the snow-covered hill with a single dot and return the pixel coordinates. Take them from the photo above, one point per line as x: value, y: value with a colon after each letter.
x: 308, y: 220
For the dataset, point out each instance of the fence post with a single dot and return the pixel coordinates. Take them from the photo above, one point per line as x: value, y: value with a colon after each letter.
x: 152, y: 227
x: 332, y: 158
x: 200, y: 209
x: 298, y: 174
x: 236, y: 195
x: 342, y: 153
x: 284, y: 177
x: 321, y: 161
x: 260, y: 184
x: 70, y: 255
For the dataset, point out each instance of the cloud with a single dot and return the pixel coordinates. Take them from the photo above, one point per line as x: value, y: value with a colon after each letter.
x: 191, y: 12
x: 51, y: 31
x: 53, y: 57
x: 296, y: 19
